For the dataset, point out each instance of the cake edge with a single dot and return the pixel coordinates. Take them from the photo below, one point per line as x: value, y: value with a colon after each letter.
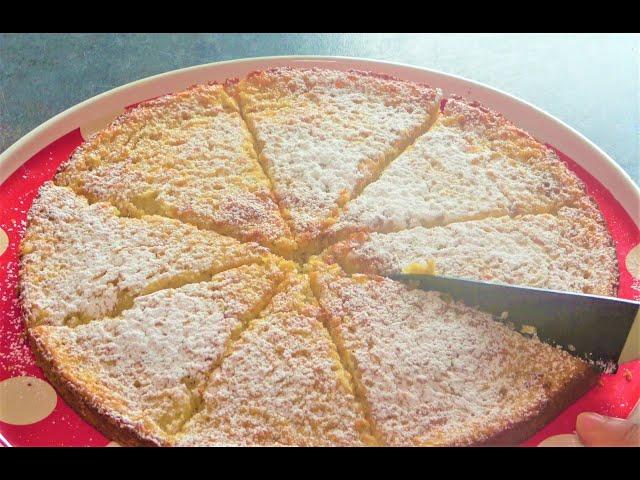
x: 107, y: 424
x: 527, y: 426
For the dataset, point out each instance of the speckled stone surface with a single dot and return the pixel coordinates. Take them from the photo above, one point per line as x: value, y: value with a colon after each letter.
x: 589, y: 81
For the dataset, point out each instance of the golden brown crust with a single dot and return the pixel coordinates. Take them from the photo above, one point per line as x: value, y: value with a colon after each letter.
x: 150, y: 160
x: 304, y: 397
x: 83, y: 403
x: 494, y: 394
x: 471, y: 164
x: 132, y: 371
x: 302, y: 118
x: 600, y: 236
x: 526, y: 427
x: 499, y: 135
x: 81, y: 261
x: 560, y: 184
x: 570, y: 250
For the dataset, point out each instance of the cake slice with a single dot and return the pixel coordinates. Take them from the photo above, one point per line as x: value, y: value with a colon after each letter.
x: 282, y: 384
x: 137, y: 377
x: 81, y: 261
x: 187, y: 156
x: 471, y: 164
x: 434, y: 372
x: 570, y: 251
x: 323, y: 134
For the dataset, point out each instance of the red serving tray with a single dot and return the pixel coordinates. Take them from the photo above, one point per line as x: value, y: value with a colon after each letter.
x: 615, y: 395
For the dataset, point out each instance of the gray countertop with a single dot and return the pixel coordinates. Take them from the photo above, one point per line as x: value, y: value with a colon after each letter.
x: 589, y: 81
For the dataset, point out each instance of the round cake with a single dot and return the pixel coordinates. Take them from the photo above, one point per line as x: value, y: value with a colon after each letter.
x: 212, y: 267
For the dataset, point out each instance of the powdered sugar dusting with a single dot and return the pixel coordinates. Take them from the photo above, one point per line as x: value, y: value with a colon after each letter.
x: 188, y: 156
x: 471, y: 164
x: 426, y: 371
x: 570, y: 251
x: 436, y: 372
x: 146, y: 366
x: 83, y: 261
x: 324, y: 134
x: 282, y: 384
x: 15, y: 356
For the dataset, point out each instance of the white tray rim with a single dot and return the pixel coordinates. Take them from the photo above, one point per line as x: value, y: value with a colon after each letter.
x: 539, y: 123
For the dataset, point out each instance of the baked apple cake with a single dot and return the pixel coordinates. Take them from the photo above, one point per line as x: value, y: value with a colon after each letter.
x: 212, y: 268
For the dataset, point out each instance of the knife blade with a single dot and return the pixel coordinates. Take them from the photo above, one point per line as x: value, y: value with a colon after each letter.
x: 591, y: 327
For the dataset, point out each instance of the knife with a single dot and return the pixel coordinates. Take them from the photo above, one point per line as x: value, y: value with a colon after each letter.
x: 591, y: 327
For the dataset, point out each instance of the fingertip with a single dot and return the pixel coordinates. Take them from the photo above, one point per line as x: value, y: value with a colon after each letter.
x: 587, y: 421
x: 598, y: 430
x: 591, y: 428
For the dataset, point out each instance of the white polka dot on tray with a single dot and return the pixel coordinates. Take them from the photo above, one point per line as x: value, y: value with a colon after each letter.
x: 26, y: 400
x: 4, y: 241
x: 565, y: 440
x: 633, y: 261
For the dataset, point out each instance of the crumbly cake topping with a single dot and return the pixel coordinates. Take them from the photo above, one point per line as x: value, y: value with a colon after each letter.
x: 529, y: 173
x: 435, y: 372
x: 570, y: 251
x: 81, y: 261
x: 155, y: 323
x: 188, y: 156
x: 145, y: 367
x: 324, y: 134
x: 283, y: 384
x: 471, y: 164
